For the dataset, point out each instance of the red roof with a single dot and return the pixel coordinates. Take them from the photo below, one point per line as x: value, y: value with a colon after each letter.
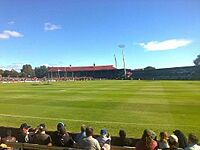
x: 83, y: 68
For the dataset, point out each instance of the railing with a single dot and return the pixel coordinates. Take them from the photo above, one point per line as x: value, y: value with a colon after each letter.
x: 29, y: 146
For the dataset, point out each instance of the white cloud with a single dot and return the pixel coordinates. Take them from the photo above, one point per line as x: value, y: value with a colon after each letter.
x: 6, y: 34
x: 13, y: 33
x: 15, y: 66
x: 165, y: 45
x: 11, y: 22
x: 47, y: 65
x: 50, y: 27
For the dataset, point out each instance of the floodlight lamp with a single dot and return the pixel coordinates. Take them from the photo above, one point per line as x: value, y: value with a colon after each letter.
x: 121, y: 46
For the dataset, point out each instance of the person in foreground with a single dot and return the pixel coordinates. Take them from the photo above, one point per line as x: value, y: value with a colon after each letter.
x: 163, y: 143
x: 192, y: 142
x: 182, y: 141
x: 80, y: 135
x: 41, y: 137
x: 24, y: 136
x: 147, y: 142
x: 89, y: 142
x: 122, y: 140
x: 173, y: 143
x: 104, y: 139
x: 61, y: 136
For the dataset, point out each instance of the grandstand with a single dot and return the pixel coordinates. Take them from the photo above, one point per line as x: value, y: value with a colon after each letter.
x: 107, y: 71
x: 174, y: 73
x: 87, y: 72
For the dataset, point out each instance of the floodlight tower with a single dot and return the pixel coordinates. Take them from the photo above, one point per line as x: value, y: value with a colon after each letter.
x: 71, y: 71
x: 51, y: 73
x: 115, y: 61
x: 58, y: 73
x: 65, y: 73
x: 124, y: 63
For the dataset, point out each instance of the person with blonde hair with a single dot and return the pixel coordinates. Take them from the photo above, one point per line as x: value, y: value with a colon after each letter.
x: 147, y: 142
x: 163, y: 143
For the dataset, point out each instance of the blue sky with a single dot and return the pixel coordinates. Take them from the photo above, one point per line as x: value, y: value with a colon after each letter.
x: 159, y: 33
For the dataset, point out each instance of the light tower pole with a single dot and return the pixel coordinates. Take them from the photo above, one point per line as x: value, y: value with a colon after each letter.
x: 124, y: 62
x: 115, y: 61
x: 58, y: 73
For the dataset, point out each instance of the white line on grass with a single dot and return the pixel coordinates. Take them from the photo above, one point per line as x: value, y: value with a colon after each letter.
x: 97, y: 122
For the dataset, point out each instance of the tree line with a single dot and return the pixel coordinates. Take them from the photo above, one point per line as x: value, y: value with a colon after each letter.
x: 26, y: 71
x: 40, y: 72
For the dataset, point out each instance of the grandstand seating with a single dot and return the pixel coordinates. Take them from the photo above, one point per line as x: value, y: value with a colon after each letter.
x: 175, y: 73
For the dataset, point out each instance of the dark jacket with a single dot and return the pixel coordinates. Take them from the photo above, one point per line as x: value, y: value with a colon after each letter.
x: 62, y: 139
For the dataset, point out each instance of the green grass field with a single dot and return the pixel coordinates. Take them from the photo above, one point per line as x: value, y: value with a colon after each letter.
x: 131, y: 105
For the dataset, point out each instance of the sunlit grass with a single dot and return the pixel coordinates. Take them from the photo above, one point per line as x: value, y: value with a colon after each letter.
x: 131, y: 105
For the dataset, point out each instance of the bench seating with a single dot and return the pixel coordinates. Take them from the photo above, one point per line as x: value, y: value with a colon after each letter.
x: 29, y: 146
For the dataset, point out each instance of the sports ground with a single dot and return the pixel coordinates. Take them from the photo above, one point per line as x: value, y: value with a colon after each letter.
x: 129, y: 105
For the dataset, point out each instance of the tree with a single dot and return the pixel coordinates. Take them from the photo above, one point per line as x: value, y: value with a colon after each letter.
x: 6, y: 73
x: 41, y: 71
x: 1, y: 72
x: 27, y: 71
x: 149, y: 68
x: 14, y: 73
x: 196, y: 73
x: 197, y: 61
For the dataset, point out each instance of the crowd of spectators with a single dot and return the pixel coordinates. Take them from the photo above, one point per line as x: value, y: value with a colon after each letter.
x: 86, y: 140
x: 19, y: 79
x: 175, y: 141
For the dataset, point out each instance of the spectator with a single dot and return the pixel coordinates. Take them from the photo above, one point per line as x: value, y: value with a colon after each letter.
x: 122, y: 140
x: 89, y: 142
x: 181, y: 139
x: 163, y: 143
x: 80, y: 135
x: 153, y: 135
x: 147, y: 142
x: 173, y: 143
x: 104, y: 139
x: 61, y: 137
x: 9, y: 137
x: 192, y: 142
x: 41, y: 137
x: 24, y: 136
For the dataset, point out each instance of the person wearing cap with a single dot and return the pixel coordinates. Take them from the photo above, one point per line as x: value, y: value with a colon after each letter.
x: 89, y: 142
x: 104, y: 140
x: 192, y: 142
x: 61, y: 137
x: 41, y: 137
x: 24, y: 136
x: 147, y: 142
x: 173, y: 142
x: 80, y: 135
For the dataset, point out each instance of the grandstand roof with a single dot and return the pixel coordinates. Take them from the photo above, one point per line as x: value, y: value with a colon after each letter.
x: 82, y: 68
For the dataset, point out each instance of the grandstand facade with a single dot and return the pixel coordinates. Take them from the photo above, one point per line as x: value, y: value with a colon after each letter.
x: 175, y: 73
x: 97, y: 72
